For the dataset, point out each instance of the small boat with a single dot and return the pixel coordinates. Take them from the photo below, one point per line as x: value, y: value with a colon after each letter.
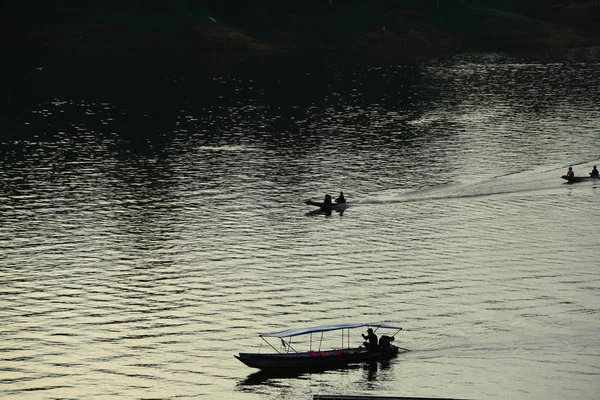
x: 323, y: 206
x: 574, y: 179
x: 288, y: 359
x: 326, y: 209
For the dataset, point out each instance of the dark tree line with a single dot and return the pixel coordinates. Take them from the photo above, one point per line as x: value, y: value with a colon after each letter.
x: 31, y: 23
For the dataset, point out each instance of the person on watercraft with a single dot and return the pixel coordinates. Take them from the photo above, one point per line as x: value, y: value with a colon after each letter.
x: 594, y: 173
x: 327, y: 200
x: 570, y: 173
x: 372, y: 340
x: 341, y: 199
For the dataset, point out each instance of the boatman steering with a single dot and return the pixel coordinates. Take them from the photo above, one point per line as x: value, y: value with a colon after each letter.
x: 372, y: 340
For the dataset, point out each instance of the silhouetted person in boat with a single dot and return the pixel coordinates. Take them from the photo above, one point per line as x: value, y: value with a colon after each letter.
x: 372, y: 340
x: 327, y: 201
x: 341, y: 199
x: 570, y: 173
x: 594, y: 173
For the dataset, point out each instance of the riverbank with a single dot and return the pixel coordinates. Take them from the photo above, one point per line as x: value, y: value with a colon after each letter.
x: 377, y: 29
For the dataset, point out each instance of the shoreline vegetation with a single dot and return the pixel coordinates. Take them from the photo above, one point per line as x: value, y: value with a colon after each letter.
x: 225, y: 29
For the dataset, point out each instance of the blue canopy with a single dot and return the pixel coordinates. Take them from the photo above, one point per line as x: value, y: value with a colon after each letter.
x: 324, y: 328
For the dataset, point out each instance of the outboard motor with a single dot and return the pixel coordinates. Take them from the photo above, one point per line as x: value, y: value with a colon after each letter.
x: 384, y: 341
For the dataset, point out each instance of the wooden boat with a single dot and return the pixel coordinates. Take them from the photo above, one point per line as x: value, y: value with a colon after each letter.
x: 574, y: 179
x: 323, y: 206
x: 288, y: 359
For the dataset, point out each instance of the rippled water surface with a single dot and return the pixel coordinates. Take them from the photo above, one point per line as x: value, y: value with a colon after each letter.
x: 152, y: 224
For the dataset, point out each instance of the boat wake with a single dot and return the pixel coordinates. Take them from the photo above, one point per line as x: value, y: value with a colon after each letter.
x: 534, y: 183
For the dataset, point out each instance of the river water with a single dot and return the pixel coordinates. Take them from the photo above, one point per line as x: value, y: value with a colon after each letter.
x: 152, y: 224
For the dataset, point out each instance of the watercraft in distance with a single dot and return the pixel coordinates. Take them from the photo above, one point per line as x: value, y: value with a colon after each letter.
x: 288, y: 358
x: 332, y: 206
x: 574, y: 179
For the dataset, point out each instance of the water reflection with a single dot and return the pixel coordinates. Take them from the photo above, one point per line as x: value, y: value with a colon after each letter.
x: 370, y: 371
x: 272, y: 378
x: 326, y: 212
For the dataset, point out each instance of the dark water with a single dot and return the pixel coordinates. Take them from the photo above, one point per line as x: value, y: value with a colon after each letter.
x: 152, y: 223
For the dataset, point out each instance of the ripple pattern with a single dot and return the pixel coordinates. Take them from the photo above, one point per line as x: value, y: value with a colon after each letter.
x: 136, y: 260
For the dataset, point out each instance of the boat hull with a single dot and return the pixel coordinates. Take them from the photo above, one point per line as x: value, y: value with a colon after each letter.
x: 574, y: 179
x: 316, y: 360
x: 332, y: 206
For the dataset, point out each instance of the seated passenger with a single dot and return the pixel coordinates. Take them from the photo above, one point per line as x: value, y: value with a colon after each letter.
x: 570, y: 173
x: 341, y: 199
x: 372, y: 340
x: 327, y: 200
x: 594, y: 173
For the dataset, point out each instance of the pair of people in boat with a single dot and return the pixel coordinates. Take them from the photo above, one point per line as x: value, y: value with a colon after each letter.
x: 340, y: 200
x: 371, y: 342
x: 593, y: 174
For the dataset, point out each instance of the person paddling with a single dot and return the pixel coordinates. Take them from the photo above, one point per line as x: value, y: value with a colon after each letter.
x: 594, y: 173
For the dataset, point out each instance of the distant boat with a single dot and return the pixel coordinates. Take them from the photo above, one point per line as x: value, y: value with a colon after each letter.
x: 574, y: 179
x: 324, y: 206
x: 288, y: 359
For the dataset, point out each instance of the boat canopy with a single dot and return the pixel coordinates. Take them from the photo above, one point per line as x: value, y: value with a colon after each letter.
x: 324, y: 328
